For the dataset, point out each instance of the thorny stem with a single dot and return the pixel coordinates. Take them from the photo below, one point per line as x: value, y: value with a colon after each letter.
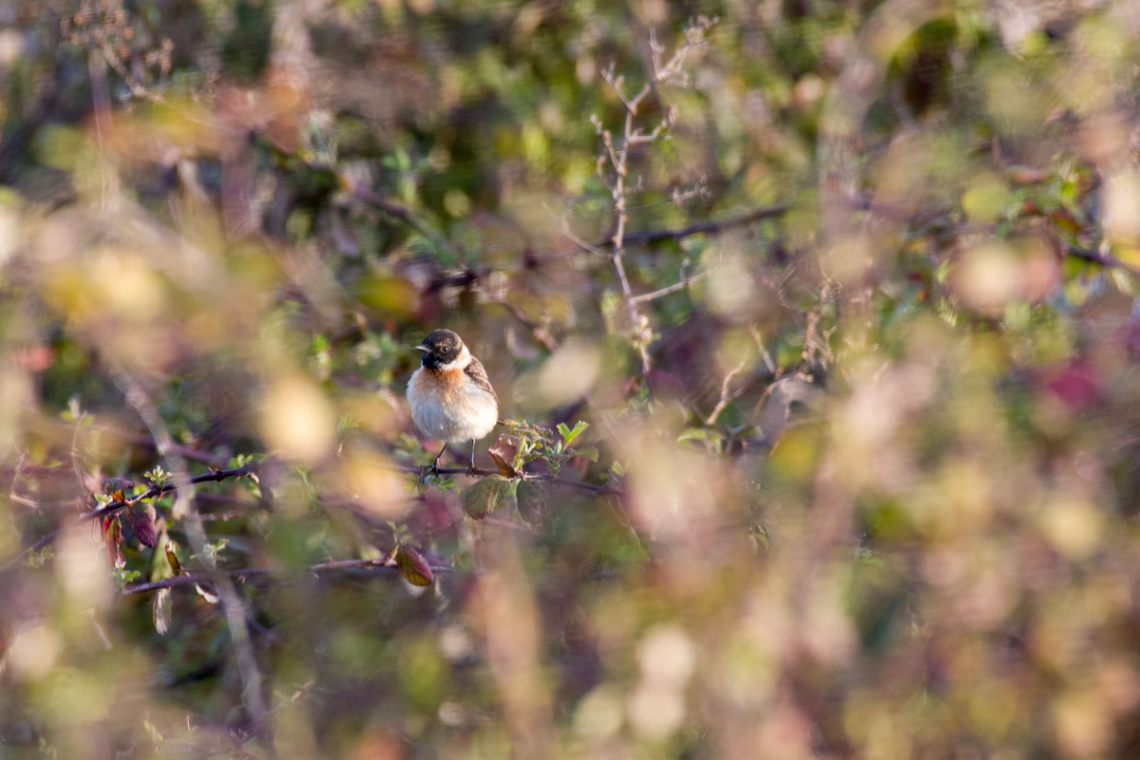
x: 232, y: 604
x: 640, y: 333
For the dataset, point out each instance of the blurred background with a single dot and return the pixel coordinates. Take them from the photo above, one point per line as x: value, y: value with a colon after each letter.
x: 813, y: 324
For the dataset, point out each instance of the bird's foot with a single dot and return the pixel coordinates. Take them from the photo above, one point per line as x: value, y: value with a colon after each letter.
x: 428, y: 469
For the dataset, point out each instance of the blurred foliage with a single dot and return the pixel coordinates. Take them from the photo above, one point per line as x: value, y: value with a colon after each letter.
x: 814, y: 325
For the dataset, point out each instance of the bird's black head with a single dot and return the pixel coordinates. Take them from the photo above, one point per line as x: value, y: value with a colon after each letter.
x: 440, y: 347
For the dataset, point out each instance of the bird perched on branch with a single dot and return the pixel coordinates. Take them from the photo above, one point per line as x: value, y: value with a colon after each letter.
x: 451, y: 398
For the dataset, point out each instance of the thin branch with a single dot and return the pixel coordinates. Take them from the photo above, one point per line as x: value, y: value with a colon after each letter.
x: 768, y: 362
x: 396, y: 211
x: 1100, y: 257
x: 597, y: 488
x: 214, y: 476
x: 537, y: 331
x: 214, y: 460
x: 137, y: 89
x: 638, y: 326
x: 15, y: 498
x: 640, y: 237
x: 639, y: 333
x: 684, y: 283
x: 250, y: 469
x: 727, y: 395
x: 677, y: 198
x: 645, y: 237
x: 253, y: 572
x: 583, y: 245
x: 233, y: 514
x: 118, y: 506
x: 232, y: 604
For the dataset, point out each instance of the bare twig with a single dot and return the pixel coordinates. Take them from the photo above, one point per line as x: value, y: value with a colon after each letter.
x: 640, y: 335
x: 644, y: 237
x: 654, y: 295
x: 817, y: 341
x: 617, y: 152
x: 396, y: 211
x: 727, y: 394
x: 537, y: 331
x: 768, y: 362
x: 583, y: 245
x: 683, y: 281
x: 16, y: 498
x: 647, y: 237
x: 189, y: 452
x: 773, y: 410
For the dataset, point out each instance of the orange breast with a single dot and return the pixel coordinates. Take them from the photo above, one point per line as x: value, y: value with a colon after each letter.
x: 440, y: 384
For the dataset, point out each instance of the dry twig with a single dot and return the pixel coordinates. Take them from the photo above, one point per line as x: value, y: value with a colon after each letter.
x: 617, y: 154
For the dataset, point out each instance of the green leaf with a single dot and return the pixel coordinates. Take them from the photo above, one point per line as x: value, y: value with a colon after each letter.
x: 172, y: 558
x: 590, y: 453
x: 698, y: 434
x: 569, y: 435
x: 487, y: 495
x: 413, y: 566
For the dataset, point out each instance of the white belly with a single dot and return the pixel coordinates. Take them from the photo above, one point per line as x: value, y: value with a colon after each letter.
x: 472, y: 415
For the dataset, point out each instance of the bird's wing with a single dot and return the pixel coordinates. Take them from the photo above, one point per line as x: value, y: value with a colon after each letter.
x: 478, y: 375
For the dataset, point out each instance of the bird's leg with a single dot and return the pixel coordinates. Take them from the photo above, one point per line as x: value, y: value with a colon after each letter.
x: 435, y: 462
x: 472, y: 468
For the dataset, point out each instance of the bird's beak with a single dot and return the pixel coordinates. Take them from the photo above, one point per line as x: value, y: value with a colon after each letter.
x: 425, y: 349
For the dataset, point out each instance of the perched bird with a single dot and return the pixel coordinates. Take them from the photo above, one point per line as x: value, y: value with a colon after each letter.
x: 451, y: 398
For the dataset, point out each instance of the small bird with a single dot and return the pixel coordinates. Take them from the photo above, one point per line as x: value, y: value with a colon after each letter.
x: 451, y: 398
